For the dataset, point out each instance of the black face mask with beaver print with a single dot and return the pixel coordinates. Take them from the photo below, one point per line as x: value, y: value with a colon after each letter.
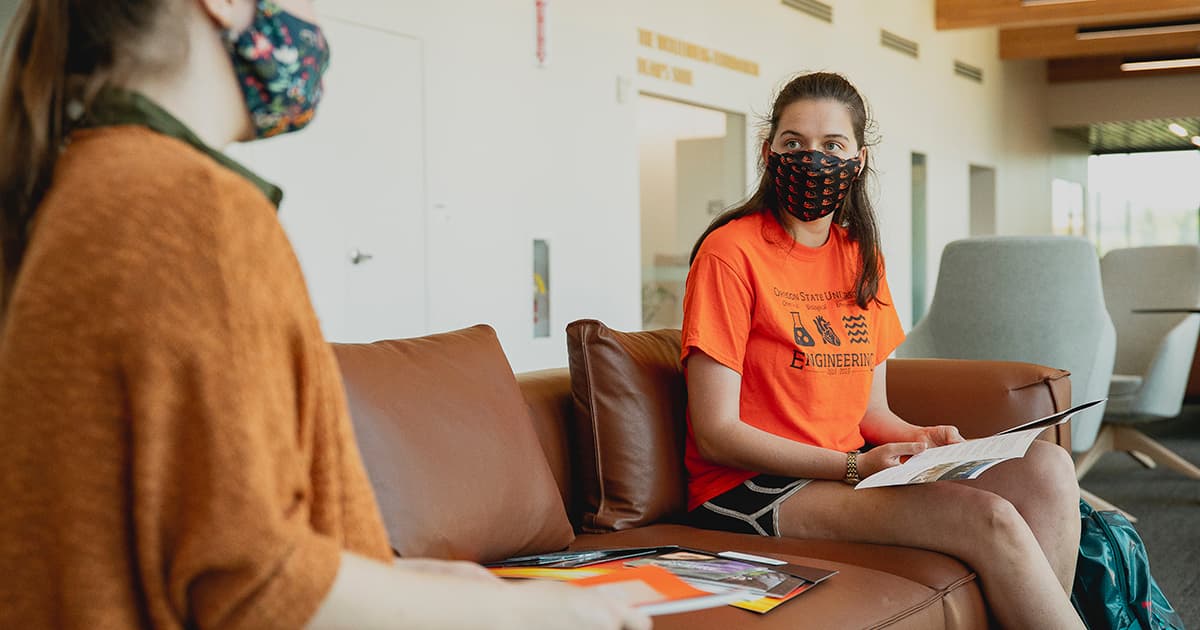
x: 809, y: 184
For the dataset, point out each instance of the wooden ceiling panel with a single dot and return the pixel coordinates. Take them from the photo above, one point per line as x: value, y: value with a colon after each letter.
x: 953, y: 14
x: 1061, y: 42
x: 1087, y: 39
x: 1102, y: 68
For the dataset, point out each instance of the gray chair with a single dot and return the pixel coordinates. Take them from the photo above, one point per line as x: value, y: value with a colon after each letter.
x: 1154, y: 351
x: 1031, y: 299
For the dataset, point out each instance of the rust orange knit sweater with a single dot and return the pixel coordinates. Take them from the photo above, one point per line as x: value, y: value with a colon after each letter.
x: 175, y: 447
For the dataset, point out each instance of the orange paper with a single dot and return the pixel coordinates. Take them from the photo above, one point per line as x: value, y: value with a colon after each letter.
x: 642, y: 585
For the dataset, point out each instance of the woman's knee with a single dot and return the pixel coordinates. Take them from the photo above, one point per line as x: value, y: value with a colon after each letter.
x: 999, y: 518
x: 994, y: 526
x: 1051, y: 473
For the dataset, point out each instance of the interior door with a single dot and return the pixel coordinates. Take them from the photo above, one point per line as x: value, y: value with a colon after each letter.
x: 354, y: 187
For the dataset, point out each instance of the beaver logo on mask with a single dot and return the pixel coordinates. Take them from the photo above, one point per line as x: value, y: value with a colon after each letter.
x: 810, y: 184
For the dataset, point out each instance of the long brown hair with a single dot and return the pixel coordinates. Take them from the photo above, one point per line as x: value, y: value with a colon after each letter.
x: 57, y: 55
x: 857, y: 213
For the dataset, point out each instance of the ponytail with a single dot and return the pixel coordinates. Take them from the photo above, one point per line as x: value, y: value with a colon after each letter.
x: 32, y: 121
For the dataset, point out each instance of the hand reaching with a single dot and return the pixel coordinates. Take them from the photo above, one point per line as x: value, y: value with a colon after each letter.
x: 940, y: 435
x: 446, y: 567
x: 886, y: 456
x: 553, y: 605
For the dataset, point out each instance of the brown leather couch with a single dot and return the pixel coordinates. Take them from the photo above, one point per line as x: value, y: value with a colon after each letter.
x: 469, y: 462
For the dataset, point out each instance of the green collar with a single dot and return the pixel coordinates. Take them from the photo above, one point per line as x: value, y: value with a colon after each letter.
x: 121, y: 107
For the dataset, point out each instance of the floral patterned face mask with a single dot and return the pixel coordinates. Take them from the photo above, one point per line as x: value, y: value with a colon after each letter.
x: 279, y: 63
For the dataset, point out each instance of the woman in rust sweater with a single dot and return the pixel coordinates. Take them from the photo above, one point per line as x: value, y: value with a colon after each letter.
x: 176, y: 448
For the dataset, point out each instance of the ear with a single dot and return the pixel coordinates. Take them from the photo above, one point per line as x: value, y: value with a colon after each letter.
x: 229, y: 15
x: 766, y: 151
x: 862, y: 156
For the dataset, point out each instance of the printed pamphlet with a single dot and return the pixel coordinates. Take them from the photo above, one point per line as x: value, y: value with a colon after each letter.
x: 670, y: 579
x: 971, y: 458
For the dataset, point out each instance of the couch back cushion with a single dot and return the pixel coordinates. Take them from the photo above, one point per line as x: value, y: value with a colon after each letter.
x: 450, y: 449
x: 630, y: 423
x: 548, y: 395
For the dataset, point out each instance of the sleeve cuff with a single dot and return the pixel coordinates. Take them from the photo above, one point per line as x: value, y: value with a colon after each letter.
x: 301, y: 582
x: 721, y: 358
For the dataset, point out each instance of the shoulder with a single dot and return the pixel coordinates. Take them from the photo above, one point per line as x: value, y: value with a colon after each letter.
x: 731, y: 241
x: 141, y: 222
x: 133, y: 174
x: 134, y: 191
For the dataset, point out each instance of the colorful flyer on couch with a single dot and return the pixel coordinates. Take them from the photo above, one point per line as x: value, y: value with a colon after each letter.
x: 656, y: 591
x: 701, y: 568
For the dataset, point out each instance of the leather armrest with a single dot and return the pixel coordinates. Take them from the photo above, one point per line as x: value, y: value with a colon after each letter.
x: 978, y: 397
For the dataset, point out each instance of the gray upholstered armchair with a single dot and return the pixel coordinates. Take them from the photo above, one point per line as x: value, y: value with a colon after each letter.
x: 1154, y: 350
x: 1029, y: 299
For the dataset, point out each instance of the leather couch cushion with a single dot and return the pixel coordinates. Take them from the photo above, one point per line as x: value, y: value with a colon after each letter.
x: 449, y: 447
x: 548, y: 395
x: 630, y: 404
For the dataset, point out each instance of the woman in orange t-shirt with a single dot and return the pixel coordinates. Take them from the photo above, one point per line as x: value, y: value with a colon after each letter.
x: 788, y: 322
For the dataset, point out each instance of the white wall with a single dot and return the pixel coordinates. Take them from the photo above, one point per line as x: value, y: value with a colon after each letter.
x: 1070, y: 158
x: 517, y: 152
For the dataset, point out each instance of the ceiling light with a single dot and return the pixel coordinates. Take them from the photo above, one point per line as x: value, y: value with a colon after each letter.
x: 1196, y: 140
x: 1137, y: 31
x: 1161, y: 64
x: 1178, y: 130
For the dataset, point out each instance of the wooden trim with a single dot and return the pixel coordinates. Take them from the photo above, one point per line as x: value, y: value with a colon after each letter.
x: 1102, y: 68
x: 1059, y: 42
x: 953, y: 14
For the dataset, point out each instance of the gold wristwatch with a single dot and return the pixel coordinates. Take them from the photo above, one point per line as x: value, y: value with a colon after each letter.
x: 852, y: 468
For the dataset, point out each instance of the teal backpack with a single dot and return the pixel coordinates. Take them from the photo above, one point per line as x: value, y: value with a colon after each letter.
x: 1113, y: 587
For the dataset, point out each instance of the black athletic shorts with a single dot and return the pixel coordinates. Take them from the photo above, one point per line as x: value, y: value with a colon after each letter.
x: 751, y: 507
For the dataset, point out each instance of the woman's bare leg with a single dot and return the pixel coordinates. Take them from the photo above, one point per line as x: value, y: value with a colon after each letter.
x: 980, y: 527
x: 1043, y: 488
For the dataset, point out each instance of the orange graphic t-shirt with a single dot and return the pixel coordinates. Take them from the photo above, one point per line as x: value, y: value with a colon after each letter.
x: 784, y: 316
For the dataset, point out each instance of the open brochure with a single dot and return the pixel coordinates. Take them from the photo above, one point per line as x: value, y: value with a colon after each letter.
x: 969, y: 459
x: 671, y: 579
x: 765, y: 583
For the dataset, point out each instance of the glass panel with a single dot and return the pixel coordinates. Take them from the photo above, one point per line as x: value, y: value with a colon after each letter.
x: 1145, y: 199
x: 983, y: 200
x: 692, y: 163
x: 920, y: 266
x: 541, y: 288
x: 1066, y: 204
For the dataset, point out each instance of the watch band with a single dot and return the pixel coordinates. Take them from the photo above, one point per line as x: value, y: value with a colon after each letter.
x: 852, y: 468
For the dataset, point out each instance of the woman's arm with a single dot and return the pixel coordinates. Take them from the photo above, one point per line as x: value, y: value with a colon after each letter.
x: 714, y: 392
x: 880, y: 426
x: 420, y: 595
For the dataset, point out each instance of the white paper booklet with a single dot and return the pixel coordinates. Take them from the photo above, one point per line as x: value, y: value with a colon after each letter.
x: 969, y: 459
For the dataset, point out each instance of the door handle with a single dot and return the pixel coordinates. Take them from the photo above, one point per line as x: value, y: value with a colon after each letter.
x: 358, y: 257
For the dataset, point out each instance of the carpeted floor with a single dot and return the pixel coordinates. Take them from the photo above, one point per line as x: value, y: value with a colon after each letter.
x: 1167, y: 506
